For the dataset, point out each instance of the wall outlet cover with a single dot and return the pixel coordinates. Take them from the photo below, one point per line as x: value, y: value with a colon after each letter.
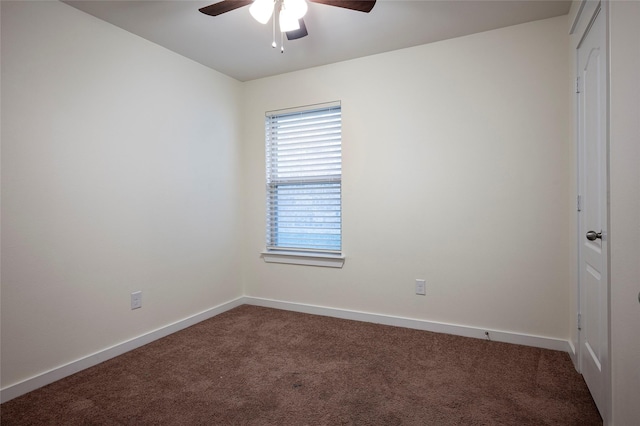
x: 136, y: 300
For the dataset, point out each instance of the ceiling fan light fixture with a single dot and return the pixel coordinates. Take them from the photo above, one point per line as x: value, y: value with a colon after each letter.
x: 288, y: 21
x: 297, y: 7
x: 290, y: 13
x: 261, y: 10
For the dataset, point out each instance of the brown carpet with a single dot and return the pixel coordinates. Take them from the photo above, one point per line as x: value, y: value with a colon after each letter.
x: 260, y: 366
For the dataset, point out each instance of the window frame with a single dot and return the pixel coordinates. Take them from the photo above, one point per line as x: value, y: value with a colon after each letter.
x: 313, y: 256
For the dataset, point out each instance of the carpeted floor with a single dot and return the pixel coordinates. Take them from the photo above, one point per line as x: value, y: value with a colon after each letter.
x: 260, y: 366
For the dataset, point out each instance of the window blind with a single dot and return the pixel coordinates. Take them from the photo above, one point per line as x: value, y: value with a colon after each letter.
x: 304, y: 175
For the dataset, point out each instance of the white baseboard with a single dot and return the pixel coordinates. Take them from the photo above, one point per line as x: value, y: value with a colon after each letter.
x: 573, y: 353
x: 33, y: 383
x: 73, y: 367
x: 438, y: 327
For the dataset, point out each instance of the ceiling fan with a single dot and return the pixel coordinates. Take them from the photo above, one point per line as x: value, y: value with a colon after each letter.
x: 290, y: 12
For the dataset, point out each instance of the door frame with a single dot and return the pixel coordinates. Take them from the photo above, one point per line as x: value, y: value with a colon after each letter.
x: 585, y: 13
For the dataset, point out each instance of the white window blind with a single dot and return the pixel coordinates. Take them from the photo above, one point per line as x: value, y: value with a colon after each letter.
x: 304, y: 174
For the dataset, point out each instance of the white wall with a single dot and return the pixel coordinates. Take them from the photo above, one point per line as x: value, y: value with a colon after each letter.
x: 624, y: 39
x: 455, y: 169
x: 119, y: 173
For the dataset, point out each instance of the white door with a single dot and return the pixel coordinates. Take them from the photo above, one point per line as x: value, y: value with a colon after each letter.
x: 592, y: 171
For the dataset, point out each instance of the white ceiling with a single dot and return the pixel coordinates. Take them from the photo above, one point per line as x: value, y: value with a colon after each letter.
x: 238, y: 46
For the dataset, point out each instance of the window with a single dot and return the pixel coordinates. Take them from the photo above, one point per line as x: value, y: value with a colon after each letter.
x: 304, y: 174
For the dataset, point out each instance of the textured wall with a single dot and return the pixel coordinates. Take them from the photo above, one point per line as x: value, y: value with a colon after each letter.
x: 119, y: 173
x: 625, y: 209
x: 455, y: 169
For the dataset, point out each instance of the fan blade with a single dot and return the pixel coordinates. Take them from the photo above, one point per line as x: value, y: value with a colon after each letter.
x: 299, y: 33
x: 359, y: 5
x: 224, y: 6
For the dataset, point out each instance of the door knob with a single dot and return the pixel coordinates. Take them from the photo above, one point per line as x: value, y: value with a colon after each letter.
x: 593, y: 235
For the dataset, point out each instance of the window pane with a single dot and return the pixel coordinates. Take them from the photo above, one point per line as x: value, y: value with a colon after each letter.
x: 305, y: 216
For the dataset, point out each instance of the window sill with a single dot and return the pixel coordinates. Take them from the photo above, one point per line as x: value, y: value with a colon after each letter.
x: 299, y: 258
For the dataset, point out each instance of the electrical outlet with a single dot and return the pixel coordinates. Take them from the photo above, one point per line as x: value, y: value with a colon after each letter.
x: 421, y: 287
x: 136, y: 300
